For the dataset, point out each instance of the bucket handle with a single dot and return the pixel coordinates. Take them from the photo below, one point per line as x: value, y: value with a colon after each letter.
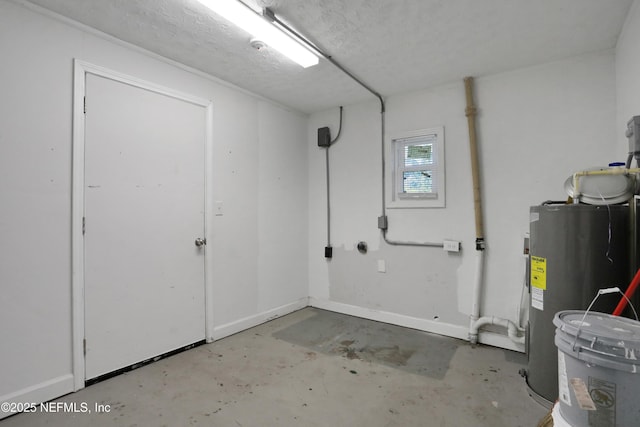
x: 601, y: 292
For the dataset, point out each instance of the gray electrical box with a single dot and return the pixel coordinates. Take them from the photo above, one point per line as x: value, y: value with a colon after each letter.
x: 633, y: 133
x: 382, y: 222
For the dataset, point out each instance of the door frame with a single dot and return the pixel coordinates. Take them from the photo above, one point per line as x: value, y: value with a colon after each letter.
x: 81, y: 69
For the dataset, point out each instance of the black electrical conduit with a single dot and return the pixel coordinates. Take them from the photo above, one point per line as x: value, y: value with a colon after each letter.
x: 328, y: 248
x: 383, y: 224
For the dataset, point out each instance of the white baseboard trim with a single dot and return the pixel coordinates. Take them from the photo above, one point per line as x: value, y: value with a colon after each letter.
x: 257, y: 319
x: 435, y: 327
x: 446, y: 329
x: 38, y: 393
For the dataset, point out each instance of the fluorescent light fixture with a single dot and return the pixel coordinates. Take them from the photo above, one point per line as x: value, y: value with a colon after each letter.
x: 250, y: 21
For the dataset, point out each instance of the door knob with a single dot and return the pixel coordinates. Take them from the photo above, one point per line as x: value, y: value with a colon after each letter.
x: 200, y: 242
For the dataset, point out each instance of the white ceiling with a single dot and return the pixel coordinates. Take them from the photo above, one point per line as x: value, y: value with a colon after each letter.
x: 394, y: 46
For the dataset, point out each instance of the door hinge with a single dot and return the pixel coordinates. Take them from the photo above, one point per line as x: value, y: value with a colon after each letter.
x: 84, y: 108
x: 84, y: 346
x: 83, y: 225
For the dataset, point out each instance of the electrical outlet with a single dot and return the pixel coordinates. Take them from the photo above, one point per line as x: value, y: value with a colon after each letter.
x: 219, y: 208
x: 451, y: 245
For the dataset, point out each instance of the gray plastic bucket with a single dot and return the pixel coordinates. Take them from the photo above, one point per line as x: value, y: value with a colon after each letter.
x: 598, y: 369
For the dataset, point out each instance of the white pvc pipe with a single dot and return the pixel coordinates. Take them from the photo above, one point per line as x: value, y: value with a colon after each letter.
x: 477, y: 287
x: 610, y: 171
x: 513, y: 331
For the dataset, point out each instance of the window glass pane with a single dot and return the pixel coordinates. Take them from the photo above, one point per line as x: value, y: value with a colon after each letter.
x: 417, y: 182
x: 418, y: 169
x: 418, y: 155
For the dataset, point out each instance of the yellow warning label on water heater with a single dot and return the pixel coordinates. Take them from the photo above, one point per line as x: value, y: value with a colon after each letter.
x: 539, y: 272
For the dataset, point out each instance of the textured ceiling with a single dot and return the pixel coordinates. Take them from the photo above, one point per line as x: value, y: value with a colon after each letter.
x: 394, y: 46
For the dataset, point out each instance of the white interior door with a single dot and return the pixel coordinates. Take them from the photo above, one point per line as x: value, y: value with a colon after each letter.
x: 144, y: 209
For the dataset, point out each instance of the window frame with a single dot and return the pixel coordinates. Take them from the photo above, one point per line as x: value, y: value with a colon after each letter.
x: 397, y: 144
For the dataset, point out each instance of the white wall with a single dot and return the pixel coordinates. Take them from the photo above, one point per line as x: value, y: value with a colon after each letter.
x: 627, y: 74
x: 535, y: 125
x: 259, y: 244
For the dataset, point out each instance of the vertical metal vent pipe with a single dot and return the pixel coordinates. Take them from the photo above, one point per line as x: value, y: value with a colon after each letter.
x: 471, y: 112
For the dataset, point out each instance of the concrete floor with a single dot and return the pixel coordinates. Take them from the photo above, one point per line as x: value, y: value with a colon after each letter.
x: 313, y: 368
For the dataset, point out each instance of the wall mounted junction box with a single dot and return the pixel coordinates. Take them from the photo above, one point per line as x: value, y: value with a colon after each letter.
x: 324, y: 137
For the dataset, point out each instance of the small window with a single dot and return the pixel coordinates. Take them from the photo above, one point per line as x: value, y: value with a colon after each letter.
x: 418, y: 176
